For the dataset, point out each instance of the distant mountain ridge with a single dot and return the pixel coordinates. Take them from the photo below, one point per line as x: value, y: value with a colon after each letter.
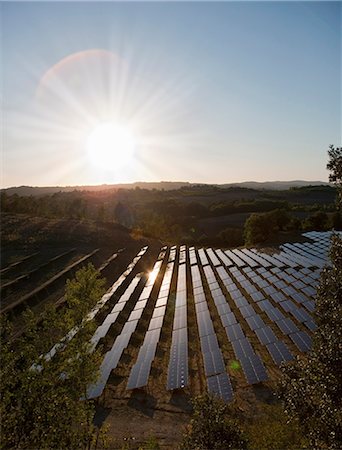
x: 166, y: 185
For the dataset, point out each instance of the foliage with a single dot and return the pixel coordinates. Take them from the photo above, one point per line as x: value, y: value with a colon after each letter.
x: 311, y: 387
x: 317, y: 221
x: 150, y: 444
x: 335, y: 167
x: 258, y: 228
x: 211, y: 428
x: 41, y: 408
x: 269, y: 430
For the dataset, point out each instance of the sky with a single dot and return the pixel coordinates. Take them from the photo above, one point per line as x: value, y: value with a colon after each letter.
x: 209, y: 92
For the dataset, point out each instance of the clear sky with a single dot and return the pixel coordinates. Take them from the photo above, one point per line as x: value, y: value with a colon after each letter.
x: 207, y: 92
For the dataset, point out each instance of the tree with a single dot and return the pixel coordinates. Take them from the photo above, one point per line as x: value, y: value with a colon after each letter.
x: 42, y: 408
x: 335, y: 167
x: 317, y: 221
x: 311, y: 386
x: 210, y: 427
x: 258, y: 228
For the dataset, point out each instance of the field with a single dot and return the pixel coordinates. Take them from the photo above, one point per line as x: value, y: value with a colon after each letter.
x: 175, y: 321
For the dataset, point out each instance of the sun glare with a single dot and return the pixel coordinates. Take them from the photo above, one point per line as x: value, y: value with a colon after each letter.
x: 110, y: 146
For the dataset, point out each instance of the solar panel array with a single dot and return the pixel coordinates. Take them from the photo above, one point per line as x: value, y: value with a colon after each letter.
x: 112, y: 357
x: 264, y: 302
x: 104, y: 299
x: 178, y: 363
x: 218, y: 380
x: 141, y: 369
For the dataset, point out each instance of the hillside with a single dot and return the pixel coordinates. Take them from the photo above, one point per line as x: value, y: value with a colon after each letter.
x: 162, y: 185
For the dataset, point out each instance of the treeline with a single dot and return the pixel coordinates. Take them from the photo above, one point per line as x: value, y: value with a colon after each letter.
x: 260, y: 227
x: 173, y: 219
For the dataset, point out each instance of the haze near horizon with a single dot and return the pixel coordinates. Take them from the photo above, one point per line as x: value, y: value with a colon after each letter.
x: 218, y: 93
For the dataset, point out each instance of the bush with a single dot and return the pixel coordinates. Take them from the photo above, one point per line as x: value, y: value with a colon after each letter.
x: 210, y: 427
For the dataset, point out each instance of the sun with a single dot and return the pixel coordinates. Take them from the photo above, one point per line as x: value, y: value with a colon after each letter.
x: 110, y: 146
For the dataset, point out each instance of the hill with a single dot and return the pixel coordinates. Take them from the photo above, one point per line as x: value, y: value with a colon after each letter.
x: 162, y: 185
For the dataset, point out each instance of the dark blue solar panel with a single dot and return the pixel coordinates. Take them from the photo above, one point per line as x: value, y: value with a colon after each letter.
x: 209, y: 343
x: 265, y: 305
x: 257, y: 296
x: 242, y: 348
x: 301, y: 315
x: 274, y: 314
x: 278, y: 297
x: 240, y: 302
x: 269, y: 290
x: 255, y: 322
x: 223, y: 308
x: 234, y: 332
x: 228, y: 319
x: 287, y: 326
x: 279, y: 352
x: 287, y: 305
x: 254, y: 369
x: 247, y: 311
x: 309, y: 305
x: 265, y: 335
x: 220, y: 385
x: 213, y: 363
x: 302, y: 340
x: 309, y: 291
x: 310, y: 324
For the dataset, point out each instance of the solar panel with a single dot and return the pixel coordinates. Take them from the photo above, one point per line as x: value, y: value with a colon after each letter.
x: 228, y: 319
x: 240, y: 302
x: 287, y: 326
x: 279, y: 352
x: 255, y: 322
x: 257, y: 296
x: 156, y: 322
x: 159, y: 311
x: 247, y: 311
x: 287, y: 305
x: 274, y: 314
x: 264, y: 305
x: 234, y: 332
x: 201, y: 307
x: 254, y: 369
x: 223, y: 309
x: 302, y: 340
x: 309, y: 291
x: 220, y: 385
x: 209, y: 343
x: 301, y: 315
x: 213, y: 363
x: 213, y: 257
x: 178, y: 367
x: 265, y: 335
x: 242, y: 348
x: 135, y: 315
x: 310, y: 324
x: 309, y: 305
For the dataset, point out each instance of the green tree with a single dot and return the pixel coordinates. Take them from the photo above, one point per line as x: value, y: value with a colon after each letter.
x: 335, y: 167
x: 258, y: 228
x: 310, y: 386
x: 317, y: 221
x: 211, y: 428
x: 39, y: 397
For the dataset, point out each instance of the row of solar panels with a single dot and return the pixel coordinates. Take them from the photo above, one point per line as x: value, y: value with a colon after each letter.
x: 178, y: 363
x: 112, y: 357
x: 99, y: 305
